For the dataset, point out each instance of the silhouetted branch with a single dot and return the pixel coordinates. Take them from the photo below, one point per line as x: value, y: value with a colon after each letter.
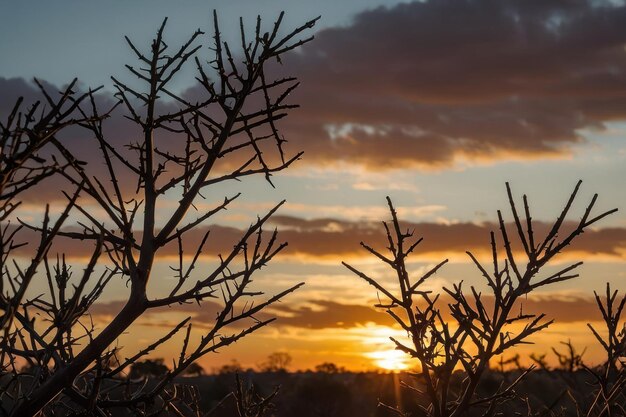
x: 76, y: 368
x: 479, y: 332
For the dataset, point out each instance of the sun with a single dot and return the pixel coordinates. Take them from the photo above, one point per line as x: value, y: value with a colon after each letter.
x: 380, y: 349
x: 390, y: 359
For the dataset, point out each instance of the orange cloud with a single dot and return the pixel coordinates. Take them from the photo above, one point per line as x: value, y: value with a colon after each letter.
x: 338, y: 239
x: 327, y: 314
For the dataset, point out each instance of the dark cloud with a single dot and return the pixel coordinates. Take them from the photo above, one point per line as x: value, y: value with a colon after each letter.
x: 331, y: 237
x: 316, y: 314
x: 339, y: 238
x: 320, y: 314
x: 203, y: 314
x: 422, y: 83
x: 329, y: 314
x: 119, y: 132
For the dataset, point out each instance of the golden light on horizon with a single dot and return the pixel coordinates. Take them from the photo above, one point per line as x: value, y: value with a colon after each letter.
x: 383, y: 354
x: 390, y: 360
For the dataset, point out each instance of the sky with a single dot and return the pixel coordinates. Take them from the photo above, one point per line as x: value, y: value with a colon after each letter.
x: 434, y: 103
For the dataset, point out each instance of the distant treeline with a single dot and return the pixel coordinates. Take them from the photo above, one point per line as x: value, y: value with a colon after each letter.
x: 347, y: 394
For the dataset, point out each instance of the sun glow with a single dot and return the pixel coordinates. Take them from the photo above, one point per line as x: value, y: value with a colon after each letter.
x: 391, y: 360
x: 381, y: 348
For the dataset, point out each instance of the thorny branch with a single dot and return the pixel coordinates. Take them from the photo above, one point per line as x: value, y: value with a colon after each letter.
x: 54, y: 357
x: 479, y: 331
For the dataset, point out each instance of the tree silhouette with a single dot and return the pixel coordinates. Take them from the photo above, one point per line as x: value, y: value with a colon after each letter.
x: 609, y: 397
x: 569, y: 360
x: 329, y: 368
x: 195, y: 370
x: 276, y: 362
x: 185, y: 148
x: 230, y: 368
x: 149, y: 368
x: 478, y: 333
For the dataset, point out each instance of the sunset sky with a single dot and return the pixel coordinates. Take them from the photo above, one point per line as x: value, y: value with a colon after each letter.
x: 434, y: 103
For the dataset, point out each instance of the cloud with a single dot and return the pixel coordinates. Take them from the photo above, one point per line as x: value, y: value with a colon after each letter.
x: 564, y: 308
x: 327, y: 314
x: 123, y: 135
x: 204, y: 314
x: 339, y: 239
x: 314, y: 314
x: 364, y: 212
x: 328, y: 237
x: 323, y: 314
x: 119, y: 132
x: 426, y: 84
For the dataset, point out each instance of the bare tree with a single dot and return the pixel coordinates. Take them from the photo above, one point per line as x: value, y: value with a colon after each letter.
x: 604, y: 393
x: 185, y: 148
x: 276, y: 362
x: 23, y: 137
x: 478, y: 332
x: 570, y: 360
x: 249, y: 402
x: 609, y: 398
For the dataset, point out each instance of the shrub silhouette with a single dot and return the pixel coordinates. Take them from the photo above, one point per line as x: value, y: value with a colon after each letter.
x: 148, y: 368
x: 609, y: 397
x: 195, y: 370
x: 276, y: 362
x: 478, y: 332
x: 329, y: 368
x: 73, y: 366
